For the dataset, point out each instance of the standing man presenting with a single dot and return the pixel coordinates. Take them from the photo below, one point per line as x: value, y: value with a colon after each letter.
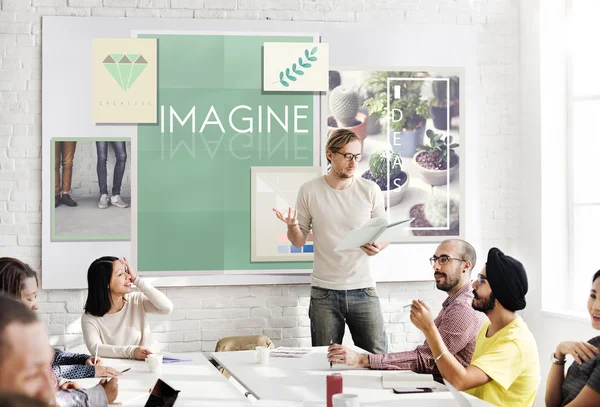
x: 343, y: 290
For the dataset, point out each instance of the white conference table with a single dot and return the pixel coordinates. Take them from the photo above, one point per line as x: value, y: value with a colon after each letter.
x: 304, y: 380
x: 200, y: 383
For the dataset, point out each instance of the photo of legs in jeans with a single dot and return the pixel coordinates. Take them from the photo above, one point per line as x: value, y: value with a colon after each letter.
x: 64, y: 152
x: 121, y: 159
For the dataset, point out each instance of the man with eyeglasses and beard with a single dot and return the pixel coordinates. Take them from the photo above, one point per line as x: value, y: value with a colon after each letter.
x: 505, y: 369
x: 343, y: 289
x: 457, y: 322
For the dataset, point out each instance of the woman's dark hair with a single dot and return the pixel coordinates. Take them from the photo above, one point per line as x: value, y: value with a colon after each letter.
x: 98, y: 301
x: 596, y: 275
x: 13, y: 274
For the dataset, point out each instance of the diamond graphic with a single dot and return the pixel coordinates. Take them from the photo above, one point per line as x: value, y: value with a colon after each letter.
x: 125, y: 68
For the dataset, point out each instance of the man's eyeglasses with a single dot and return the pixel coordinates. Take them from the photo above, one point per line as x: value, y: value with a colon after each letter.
x: 443, y: 259
x: 481, y: 278
x: 350, y: 157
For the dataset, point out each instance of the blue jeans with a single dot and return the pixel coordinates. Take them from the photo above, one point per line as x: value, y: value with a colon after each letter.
x: 329, y: 310
x: 121, y: 159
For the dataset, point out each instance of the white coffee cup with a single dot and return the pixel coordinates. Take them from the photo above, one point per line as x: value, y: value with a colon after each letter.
x: 262, y: 355
x: 154, y: 362
x: 345, y: 400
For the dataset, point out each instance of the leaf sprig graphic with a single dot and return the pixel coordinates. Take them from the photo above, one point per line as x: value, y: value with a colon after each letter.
x: 296, y: 69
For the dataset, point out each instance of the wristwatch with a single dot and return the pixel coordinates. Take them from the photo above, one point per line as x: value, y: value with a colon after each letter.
x: 557, y: 361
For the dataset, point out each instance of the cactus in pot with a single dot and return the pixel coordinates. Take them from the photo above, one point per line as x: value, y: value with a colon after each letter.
x: 434, y: 213
x: 343, y: 104
x: 438, y: 153
x: 437, y: 160
x: 382, y: 163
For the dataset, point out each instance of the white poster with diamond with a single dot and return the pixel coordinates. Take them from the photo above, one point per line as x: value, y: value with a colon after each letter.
x: 124, y: 80
x: 295, y: 67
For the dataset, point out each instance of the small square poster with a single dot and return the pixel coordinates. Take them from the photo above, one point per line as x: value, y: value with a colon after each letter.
x: 124, y: 80
x: 296, y: 67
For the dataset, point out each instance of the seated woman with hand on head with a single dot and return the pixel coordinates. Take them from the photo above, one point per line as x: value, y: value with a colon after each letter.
x: 581, y: 385
x: 18, y: 280
x: 115, y: 321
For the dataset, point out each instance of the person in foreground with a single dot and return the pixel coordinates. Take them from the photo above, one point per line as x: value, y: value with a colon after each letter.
x: 115, y: 322
x: 343, y: 289
x: 581, y: 386
x: 20, y: 400
x: 505, y: 369
x: 25, y: 358
x: 457, y: 322
x: 19, y: 280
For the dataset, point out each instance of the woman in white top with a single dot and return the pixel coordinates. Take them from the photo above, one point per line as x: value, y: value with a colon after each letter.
x: 115, y: 321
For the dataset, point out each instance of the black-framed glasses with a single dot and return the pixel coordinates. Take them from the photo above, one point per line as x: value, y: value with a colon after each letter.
x: 350, y: 157
x: 481, y: 278
x: 443, y: 259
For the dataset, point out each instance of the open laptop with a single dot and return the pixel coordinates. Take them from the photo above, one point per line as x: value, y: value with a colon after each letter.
x: 458, y: 396
x: 162, y: 395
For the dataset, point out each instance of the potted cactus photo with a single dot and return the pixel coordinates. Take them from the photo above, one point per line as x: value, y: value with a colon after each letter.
x: 343, y: 105
x: 436, y: 158
x: 382, y: 163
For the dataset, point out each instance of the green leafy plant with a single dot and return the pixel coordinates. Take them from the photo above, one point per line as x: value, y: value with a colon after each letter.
x: 415, y: 111
x: 296, y: 68
x: 440, y: 148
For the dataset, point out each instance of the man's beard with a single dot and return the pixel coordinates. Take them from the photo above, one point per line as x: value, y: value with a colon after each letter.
x: 342, y: 174
x: 449, y: 284
x: 487, y: 305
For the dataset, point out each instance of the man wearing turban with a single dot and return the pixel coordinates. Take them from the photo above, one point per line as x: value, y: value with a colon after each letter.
x: 505, y: 369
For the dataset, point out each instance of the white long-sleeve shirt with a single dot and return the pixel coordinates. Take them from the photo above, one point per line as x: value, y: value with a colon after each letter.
x: 117, y: 335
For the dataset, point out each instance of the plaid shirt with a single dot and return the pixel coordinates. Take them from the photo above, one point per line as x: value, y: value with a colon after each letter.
x: 458, y: 324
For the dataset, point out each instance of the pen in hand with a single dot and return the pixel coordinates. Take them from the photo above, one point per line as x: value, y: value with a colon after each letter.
x: 96, y: 355
x: 330, y: 362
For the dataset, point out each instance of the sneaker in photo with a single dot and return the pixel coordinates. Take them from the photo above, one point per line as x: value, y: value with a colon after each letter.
x: 103, y: 202
x: 117, y: 201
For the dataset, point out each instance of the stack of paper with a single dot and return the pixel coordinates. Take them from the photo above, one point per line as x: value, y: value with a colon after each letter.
x: 405, y: 380
x: 287, y: 352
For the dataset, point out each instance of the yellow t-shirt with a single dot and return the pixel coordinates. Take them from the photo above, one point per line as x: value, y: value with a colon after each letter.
x: 510, y: 358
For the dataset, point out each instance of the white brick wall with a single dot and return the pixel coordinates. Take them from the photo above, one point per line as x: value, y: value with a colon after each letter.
x: 203, y: 315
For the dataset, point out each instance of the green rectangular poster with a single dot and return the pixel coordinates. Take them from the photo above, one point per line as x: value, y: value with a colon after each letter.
x: 214, y: 124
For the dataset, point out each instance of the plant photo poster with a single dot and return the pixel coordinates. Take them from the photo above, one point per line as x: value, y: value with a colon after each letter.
x: 412, y: 135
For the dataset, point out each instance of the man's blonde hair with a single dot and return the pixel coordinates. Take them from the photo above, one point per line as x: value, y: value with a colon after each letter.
x: 338, y: 139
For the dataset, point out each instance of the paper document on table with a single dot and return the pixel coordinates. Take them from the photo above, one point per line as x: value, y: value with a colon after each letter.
x: 404, y: 379
x: 289, y: 352
x: 367, y: 233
